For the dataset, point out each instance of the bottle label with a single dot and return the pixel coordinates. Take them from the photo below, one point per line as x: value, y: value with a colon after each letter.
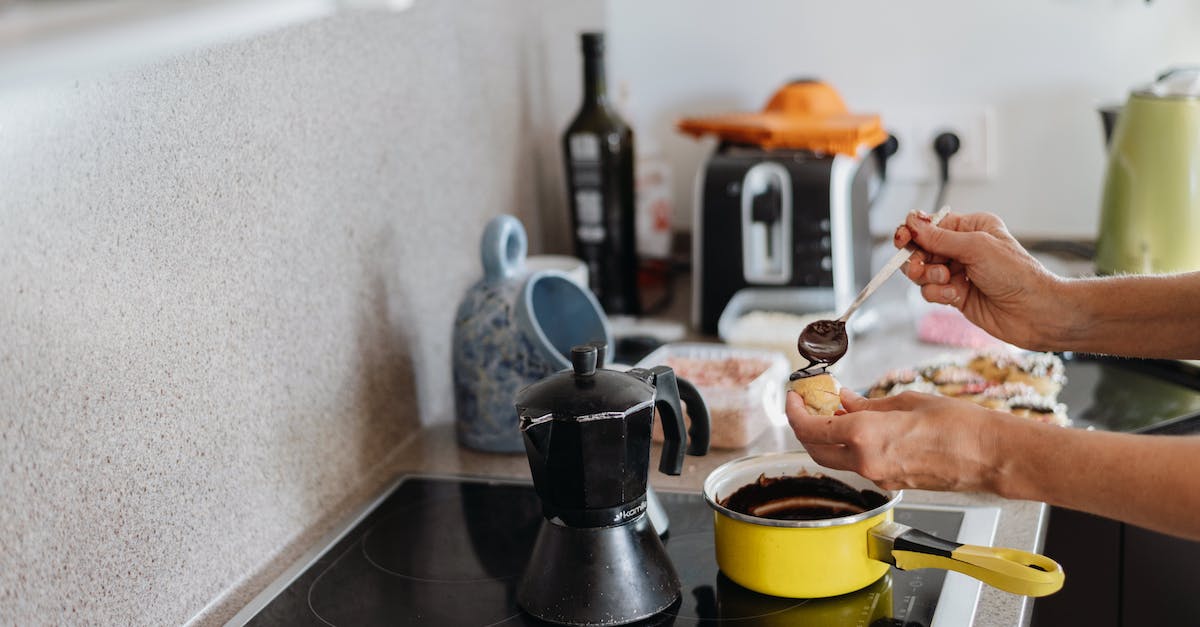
x: 585, y: 147
x: 655, y: 209
x: 590, y: 216
x: 589, y: 202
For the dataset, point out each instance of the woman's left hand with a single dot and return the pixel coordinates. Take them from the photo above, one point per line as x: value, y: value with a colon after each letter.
x: 911, y: 440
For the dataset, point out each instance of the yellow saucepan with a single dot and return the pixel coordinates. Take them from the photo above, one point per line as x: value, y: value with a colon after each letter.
x: 828, y: 557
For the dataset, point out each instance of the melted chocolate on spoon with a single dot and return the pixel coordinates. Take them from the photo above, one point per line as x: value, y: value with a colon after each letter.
x: 823, y: 342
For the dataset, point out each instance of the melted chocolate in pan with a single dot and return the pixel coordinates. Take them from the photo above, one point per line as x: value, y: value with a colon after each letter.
x: 802, y: 497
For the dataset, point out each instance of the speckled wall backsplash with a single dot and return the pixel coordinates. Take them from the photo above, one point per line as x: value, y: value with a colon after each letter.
x: 227, y: 283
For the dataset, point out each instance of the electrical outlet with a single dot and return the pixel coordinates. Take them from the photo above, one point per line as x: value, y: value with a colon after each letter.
x: 915, y: 129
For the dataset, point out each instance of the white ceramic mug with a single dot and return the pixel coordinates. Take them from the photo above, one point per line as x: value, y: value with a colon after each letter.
x: 573, y: 267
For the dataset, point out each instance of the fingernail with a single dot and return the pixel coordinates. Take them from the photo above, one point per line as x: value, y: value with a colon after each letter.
x: 950, y: 294
x: 924, y: 217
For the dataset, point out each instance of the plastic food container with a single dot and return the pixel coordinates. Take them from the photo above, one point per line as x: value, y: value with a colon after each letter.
x: 743, y: 388
x: 773, y: 319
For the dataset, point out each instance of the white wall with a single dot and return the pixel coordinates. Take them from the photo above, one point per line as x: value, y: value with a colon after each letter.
x: 1042, y: 65
x: 556, y: 92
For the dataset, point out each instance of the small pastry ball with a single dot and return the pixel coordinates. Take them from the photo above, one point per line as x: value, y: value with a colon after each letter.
x: 820, y: 393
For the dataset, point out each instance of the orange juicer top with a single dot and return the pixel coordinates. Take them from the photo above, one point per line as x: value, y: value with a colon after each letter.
x: 806, y: 115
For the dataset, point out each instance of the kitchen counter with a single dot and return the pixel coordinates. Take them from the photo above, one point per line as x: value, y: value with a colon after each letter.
x: 1022, y: 523
x: 890, y: 343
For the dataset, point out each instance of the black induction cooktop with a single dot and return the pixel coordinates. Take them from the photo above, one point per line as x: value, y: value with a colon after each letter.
x: 1132, y: 395
x: 451, y: 551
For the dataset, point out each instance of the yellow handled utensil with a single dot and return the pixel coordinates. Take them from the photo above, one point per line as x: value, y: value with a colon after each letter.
x: 1011, y: 570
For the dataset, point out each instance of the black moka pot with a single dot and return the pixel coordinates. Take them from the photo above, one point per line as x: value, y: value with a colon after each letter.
x: 597, y: 559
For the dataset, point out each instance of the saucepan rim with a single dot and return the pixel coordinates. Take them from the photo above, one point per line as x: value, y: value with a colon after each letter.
x: 772, y: 461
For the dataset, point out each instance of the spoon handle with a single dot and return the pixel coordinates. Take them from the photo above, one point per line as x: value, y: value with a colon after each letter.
x: 889, y: 268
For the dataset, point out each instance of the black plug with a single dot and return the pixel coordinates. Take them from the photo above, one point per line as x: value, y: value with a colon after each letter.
x: 945, y: 145
x: 883, y: 152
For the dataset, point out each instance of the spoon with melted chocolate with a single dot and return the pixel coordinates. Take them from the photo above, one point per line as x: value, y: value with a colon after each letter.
x: 825, y: 341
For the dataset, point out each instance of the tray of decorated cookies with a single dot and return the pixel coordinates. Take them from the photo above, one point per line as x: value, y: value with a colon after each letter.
x: 1022, y: 383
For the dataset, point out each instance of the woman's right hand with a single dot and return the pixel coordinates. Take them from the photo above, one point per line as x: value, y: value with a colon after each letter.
x: 971, y: 261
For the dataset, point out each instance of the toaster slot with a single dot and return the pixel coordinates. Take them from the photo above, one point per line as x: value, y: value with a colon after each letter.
x: 766, y: 207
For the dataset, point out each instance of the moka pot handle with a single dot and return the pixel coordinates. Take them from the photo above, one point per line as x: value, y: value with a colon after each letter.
x: 698, y: 432
x: 668, y: 390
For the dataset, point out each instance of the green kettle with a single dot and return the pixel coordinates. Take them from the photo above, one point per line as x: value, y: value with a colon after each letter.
x: 1150, y: 208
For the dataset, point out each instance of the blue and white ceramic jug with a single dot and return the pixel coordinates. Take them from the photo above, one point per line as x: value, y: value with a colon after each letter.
x: 513, y: 328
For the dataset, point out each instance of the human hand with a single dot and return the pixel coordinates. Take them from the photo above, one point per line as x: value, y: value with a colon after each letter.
x: 911, y: 440
x: 971, y: 261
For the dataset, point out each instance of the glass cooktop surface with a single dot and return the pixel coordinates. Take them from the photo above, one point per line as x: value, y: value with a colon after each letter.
x: 1137, y: 395
x: 451, y: 551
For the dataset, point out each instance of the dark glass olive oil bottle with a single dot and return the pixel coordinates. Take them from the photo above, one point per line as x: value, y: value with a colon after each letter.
x: 598, y: 149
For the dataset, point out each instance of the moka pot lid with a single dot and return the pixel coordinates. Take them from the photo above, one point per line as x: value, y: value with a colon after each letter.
x: 583, y: 393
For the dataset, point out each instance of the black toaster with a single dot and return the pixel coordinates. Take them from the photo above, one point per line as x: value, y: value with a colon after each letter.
x: 791, y: 225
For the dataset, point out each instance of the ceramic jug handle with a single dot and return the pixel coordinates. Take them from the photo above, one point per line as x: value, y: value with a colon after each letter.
x: 503, y: 248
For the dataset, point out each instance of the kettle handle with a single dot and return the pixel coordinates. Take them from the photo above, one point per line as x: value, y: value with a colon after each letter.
x: 1165, y: 74
x: 667, y: 396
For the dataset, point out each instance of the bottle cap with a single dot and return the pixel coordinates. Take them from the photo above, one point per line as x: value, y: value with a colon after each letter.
x: 592, y: 41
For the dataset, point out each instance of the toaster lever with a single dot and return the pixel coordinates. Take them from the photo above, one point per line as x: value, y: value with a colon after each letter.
x: 765, y: 208
x: 766, y: 225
